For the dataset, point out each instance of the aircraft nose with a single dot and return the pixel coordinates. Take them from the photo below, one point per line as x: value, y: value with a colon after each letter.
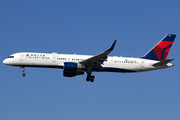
x: 5, y: 61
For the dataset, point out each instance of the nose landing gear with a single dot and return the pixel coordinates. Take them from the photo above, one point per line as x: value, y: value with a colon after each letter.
x: 23, y: 70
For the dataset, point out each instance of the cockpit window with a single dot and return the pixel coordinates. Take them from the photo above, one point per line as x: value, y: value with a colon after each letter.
x: 11, y: 57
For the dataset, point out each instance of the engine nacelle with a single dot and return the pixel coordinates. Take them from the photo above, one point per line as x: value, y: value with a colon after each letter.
x: 72, y: 69
x: 70, y: 66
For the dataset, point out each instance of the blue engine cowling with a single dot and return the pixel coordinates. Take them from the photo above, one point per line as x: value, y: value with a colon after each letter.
x: 70, y: 66
x: 70, y: 69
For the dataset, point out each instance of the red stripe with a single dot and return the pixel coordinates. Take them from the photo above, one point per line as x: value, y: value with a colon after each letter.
x: 164, y: 44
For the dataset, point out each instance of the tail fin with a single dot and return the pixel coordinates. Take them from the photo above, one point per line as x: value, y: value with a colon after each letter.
x: 161, y: 50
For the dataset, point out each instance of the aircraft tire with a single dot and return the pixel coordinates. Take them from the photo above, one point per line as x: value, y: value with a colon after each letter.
x: 92, y: 78
x: 87, y: 79
x: 23, y: 74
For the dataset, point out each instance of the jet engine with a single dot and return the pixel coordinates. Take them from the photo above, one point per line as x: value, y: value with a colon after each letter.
x: 72, y: 69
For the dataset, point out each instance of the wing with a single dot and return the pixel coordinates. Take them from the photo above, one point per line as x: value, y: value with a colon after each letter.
x: 97, y: 60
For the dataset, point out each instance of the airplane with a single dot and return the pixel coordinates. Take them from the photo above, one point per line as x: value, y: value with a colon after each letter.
x: 74, y: 65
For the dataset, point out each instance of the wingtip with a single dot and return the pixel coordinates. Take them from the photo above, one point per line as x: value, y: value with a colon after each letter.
x: 112, y: 46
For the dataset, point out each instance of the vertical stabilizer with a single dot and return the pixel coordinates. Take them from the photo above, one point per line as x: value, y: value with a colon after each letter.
x: 161, y: 50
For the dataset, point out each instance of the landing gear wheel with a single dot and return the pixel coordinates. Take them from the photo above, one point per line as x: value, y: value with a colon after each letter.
x: 23, y: 74
x: 23, y: 70
x: 90, y: 78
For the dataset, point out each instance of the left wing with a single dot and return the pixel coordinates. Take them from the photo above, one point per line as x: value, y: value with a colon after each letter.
x: 97, y: 60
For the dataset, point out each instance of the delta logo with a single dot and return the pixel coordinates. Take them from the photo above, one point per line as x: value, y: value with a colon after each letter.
x: 162, y: 49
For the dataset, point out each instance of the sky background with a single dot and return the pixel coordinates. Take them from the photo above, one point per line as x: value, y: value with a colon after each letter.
x: 88, y: 27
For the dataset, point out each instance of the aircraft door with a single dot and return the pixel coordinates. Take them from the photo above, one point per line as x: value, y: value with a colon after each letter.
x: 142, y: 63
x: 54, y: 58
x: 21, y: 57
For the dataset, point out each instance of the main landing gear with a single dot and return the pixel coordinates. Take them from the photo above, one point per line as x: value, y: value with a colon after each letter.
x: 23, y: 70
x: 89, y: 76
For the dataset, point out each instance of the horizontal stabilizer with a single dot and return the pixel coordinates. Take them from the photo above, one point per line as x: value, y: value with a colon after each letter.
x: 163, y: 62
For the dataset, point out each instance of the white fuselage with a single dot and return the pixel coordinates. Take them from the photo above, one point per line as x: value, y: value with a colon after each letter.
x: 54, y: 60
x: 74, y: 65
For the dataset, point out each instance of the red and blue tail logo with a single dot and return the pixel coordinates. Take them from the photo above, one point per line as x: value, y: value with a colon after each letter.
x: 161, y: 50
